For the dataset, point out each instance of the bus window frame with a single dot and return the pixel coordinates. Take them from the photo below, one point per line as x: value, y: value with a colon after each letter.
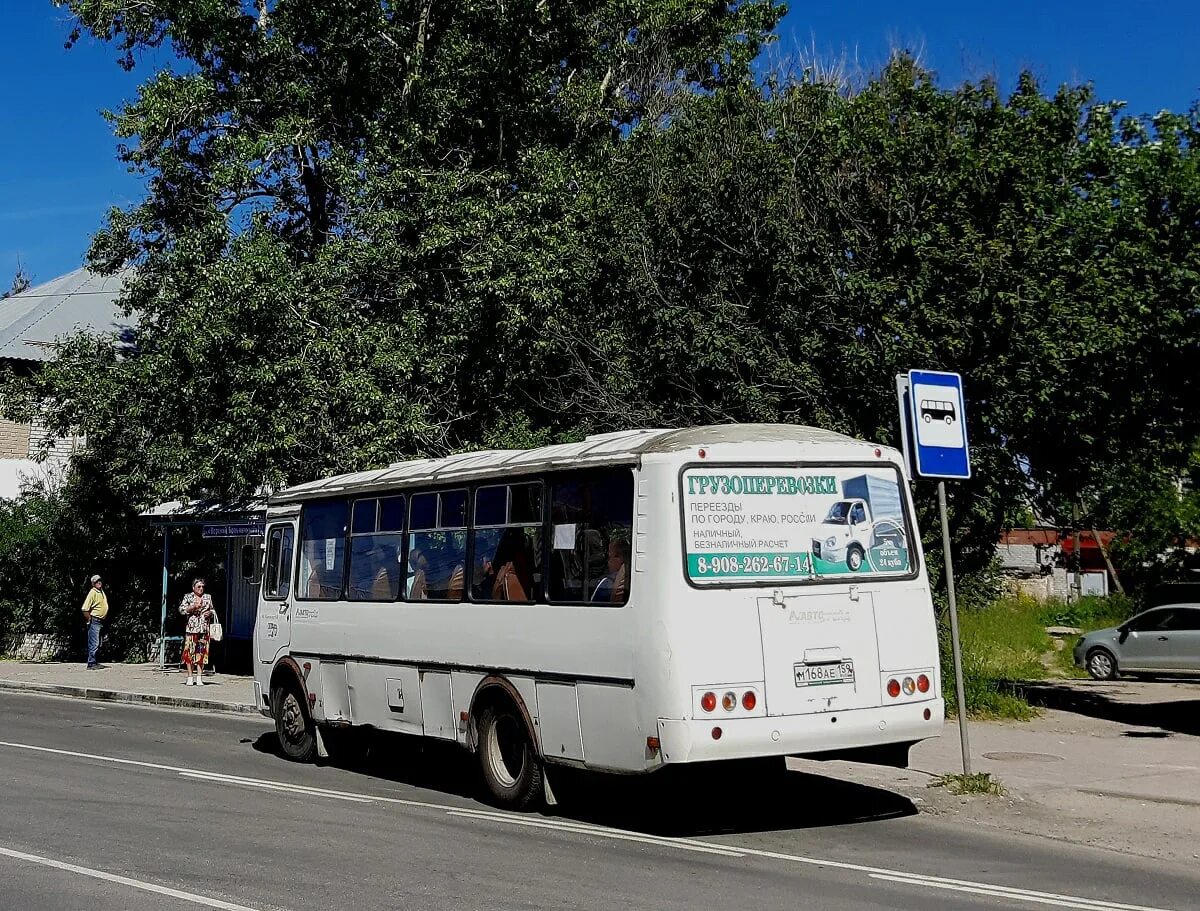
x: 341, y: 596
x: 267, y: 582
x: 378, y: 497
x: 548, y: 506
x: 411, y: 493
x: 542, y: 590
x: 915, y: 555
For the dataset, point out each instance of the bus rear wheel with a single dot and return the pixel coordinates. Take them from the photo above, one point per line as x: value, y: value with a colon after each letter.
x: 297, y: 736
x: 507, y: 758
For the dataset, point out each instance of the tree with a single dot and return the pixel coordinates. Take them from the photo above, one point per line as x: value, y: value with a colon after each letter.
x: 21, y: 282
x: 353, y: 209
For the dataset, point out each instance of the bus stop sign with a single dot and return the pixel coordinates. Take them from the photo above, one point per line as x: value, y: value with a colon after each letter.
x: 938, y: 431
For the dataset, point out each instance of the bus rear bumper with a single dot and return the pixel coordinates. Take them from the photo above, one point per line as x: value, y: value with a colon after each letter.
x: 794, y: 735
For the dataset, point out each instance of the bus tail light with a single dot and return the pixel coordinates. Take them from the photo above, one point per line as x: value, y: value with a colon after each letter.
x: 923, y: 683
x: 708, y: 702
x: 909, y: 686
x: 717, y: 733
x: 893, y: 687
x: 749, y: 700
x: 729, y: 701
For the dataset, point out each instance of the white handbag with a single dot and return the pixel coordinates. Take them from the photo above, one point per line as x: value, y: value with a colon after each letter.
x: 215, y: 632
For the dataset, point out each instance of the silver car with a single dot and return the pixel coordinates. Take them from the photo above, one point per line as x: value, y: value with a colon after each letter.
x: 1164, y: 640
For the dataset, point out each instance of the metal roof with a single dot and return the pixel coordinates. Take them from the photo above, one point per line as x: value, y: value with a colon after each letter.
x: 622, y: 448
x: 31, y: 322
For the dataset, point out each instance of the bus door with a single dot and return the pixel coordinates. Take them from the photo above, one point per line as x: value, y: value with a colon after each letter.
x: 820, y: 651
x: 274, y: 627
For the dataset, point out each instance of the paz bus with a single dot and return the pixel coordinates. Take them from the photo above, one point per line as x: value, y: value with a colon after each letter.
x: 625, y: 603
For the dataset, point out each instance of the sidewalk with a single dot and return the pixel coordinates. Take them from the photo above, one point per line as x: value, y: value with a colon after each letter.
x: 1121, y: 770
x: 131, y: 683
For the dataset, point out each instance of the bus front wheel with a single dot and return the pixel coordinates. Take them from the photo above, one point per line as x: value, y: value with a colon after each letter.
x: 297, y: 736
x: 511, y: 770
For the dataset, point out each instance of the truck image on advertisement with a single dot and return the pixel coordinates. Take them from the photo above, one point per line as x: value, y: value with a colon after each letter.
x: 869, y: 515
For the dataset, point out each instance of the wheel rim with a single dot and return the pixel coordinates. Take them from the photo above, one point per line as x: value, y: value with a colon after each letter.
x: 855, y: 559
x: 1101, y: 664
x: 293, y: 718
x: 505, y: 751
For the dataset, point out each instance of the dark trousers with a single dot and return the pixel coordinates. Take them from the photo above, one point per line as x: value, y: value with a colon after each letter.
x: 93, y: 631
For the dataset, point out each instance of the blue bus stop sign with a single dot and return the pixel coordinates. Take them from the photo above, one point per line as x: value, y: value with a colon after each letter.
x: 939, y: 425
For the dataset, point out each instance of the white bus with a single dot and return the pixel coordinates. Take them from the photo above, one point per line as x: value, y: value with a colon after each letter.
x: 638, y: 599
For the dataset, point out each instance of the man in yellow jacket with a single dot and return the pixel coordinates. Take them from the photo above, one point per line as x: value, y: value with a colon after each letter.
x: 95, y: 609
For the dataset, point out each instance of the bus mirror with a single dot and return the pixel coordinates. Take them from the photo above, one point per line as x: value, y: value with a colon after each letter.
x: 250, y: 564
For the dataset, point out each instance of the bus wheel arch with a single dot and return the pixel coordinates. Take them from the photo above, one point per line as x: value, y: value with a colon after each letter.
x: 502, y: 736
x: 289, y: 707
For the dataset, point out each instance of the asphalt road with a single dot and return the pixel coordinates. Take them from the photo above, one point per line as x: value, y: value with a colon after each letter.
x: 112, y: 807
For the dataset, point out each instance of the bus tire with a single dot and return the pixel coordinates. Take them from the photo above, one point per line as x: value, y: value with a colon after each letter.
x: 511, y: 769
x: 854, y: 558
x: 293, y: 726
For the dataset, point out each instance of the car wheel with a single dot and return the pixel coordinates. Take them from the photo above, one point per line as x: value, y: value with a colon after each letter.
x: 510, y: 766
x: 1101, y: 664
x: 854, y: 558
x: 297, y: 736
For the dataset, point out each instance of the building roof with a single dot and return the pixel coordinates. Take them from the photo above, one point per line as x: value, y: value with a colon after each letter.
x: 1043, y: 537
x: 31, y: 322
x: 621, y: 448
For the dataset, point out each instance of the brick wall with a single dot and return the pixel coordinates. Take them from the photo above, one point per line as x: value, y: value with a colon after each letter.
x: 14, y: 440
x: 64, y: 447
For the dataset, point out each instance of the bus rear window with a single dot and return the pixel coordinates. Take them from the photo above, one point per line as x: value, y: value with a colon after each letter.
x: 772, y: 523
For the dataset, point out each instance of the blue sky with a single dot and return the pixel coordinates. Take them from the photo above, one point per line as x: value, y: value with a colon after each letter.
x: 59, y: 173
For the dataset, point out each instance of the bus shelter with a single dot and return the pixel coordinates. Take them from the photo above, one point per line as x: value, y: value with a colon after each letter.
x: 221, y: 542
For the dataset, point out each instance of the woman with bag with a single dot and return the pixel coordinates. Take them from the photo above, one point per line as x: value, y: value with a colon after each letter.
x: 202, y: 627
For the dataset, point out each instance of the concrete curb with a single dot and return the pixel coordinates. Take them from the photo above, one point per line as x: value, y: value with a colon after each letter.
x: 103, y: 695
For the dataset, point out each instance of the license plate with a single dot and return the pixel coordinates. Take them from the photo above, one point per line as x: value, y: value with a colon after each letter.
x: 825, y: 674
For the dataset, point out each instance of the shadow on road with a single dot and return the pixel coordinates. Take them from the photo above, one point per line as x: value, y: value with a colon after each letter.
x: 1180, y: 717
x: 679, y: 801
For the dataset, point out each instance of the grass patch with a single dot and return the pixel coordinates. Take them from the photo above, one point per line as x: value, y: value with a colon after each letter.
x: 1007, y: 643
x: 976, y: 783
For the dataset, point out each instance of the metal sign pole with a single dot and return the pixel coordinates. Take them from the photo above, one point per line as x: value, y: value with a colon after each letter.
x: 954, y: 644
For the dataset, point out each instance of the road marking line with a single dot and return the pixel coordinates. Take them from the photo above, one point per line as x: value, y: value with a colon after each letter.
x: 271, y: 786
x: 711, y: 847
x: 1001, y: 892
x: 282, y: 785
x: 124, y: 881
x: 601, y: 833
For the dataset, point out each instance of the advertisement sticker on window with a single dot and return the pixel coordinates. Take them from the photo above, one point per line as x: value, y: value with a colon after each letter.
x: 747, y: 523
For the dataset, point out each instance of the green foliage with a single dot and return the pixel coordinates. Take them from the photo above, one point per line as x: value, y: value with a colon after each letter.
x: 52, y: 540
x: 1088, y: 613
x: 1006, y: 643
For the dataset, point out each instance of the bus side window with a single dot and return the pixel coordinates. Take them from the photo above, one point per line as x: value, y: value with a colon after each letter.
x: 437, y: 546
x: 277, y: 576
x: 323, y: 549
x: 506, y: 540
x: 376, y: 541
x: 592, y: 527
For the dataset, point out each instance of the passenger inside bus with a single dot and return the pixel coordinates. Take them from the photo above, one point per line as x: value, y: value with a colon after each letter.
x: 616, y: 581
x: 386, y: 584
x: 508, y: 573
x: 418, y: 584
